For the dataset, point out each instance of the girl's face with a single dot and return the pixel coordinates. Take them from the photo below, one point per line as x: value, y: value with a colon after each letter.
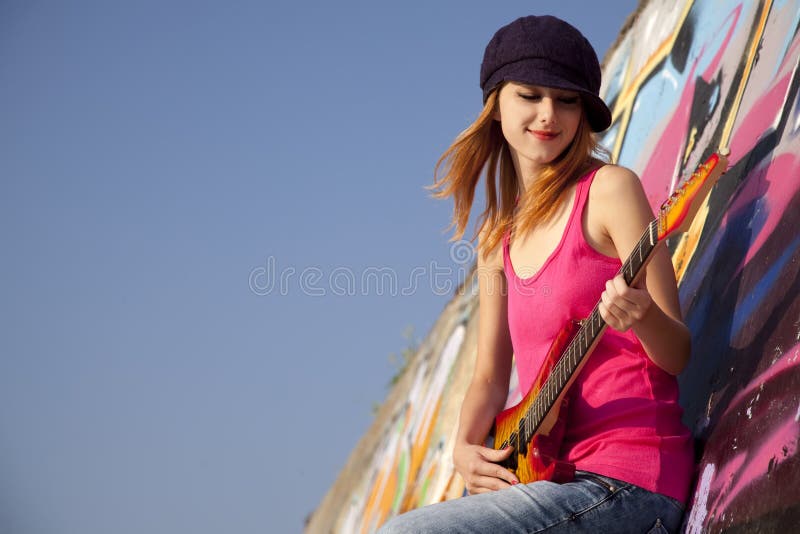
x: 538, y: 122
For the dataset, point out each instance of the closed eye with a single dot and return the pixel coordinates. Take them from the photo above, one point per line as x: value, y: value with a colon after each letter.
x: 535, y: 97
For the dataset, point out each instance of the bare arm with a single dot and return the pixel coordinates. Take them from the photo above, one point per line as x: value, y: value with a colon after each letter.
x: 488, y: 390
x: 619, y: 213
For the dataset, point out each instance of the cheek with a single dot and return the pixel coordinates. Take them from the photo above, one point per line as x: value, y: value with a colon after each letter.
x: 514, y: 123
x: 508, y: 133
x: 509, y: 122
x: 578, y: 118
x: 574, y: 122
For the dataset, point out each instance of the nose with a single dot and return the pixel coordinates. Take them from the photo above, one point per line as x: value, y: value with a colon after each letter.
x: 547, y: 110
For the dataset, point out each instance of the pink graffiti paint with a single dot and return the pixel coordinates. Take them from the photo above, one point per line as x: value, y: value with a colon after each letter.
x: 780, y: 445
x: 773, y: 184
x: 752, y: 440
x: 789, y: 361
x: 783, y: 177
x: 724, y: 479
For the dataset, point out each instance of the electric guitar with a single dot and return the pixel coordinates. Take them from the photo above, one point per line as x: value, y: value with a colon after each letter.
x: 535, y: 427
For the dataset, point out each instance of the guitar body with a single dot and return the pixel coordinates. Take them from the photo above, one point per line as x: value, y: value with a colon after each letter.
x: 538, y: 458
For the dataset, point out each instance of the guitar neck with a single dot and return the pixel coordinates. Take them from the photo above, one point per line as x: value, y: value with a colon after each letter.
x: 580, y: 347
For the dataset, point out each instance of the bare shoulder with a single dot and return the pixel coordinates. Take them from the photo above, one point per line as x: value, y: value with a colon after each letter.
x: 618, y: 211
x: 494, y: 261
x: 611, y: 181
x: 617, y: 191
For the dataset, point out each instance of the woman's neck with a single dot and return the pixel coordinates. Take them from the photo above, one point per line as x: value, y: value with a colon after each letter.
x: 527, y: 173
x: 526, y: 178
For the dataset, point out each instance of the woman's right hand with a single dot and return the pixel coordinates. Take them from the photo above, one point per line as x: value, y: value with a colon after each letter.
x: 478, y: 466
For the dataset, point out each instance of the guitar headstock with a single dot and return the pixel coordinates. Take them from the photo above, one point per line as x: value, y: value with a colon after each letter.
x: 677, y: 213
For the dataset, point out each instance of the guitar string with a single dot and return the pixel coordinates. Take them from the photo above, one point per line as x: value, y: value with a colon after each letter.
x: 560, y: 370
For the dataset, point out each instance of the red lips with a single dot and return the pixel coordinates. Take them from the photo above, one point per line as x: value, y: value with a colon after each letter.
x: 544, y: 135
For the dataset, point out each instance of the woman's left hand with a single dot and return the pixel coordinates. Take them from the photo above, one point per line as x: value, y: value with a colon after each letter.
x: 622, y: 306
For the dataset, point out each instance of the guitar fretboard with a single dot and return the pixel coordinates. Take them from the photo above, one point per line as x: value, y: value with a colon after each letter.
x: 578, y: 349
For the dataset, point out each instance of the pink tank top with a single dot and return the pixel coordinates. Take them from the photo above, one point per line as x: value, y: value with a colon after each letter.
x: 624, y: 420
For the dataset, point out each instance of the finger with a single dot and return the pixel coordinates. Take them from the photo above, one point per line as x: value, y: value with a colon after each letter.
x: 615, y: 297
x: 483, y: 484
x: 612, y: 314
x: 508, y: 477
x: 629, y: 299
x: 609, y: 319
x: 632, y: 300
x: 489, y: 469
x: 614, y: 305
x: 477, y: 490
x: 620, y: 285
x: 495, y: 455
x: 637, y: 295
x: 611, y: 289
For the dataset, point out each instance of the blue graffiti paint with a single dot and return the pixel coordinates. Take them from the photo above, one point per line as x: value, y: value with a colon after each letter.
x: 759, y: 291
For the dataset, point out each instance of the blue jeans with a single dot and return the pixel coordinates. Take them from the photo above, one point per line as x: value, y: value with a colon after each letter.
x: 590, y: 503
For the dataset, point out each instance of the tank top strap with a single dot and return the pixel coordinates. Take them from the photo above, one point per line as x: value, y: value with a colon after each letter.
x: 581, y: 197
x: 582, y: 191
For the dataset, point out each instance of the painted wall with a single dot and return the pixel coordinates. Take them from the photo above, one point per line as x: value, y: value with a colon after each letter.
x: 683, y: 79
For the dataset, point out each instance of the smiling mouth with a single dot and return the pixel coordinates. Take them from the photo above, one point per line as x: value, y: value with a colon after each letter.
x: 544, y: 135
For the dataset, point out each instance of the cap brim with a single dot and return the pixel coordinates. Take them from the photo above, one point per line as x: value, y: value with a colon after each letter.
x: 596, y: 110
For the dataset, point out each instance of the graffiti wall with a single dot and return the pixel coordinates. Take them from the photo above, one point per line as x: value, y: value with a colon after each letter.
x: 682, y: 80
x: 405, y: 460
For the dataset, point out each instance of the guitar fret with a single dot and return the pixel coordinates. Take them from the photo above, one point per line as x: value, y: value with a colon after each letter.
x: 654, y: 232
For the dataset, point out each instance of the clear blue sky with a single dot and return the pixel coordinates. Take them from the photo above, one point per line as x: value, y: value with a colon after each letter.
x: 158, y: 160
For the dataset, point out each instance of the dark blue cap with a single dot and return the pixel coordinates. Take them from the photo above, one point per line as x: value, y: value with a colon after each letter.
x: 546, y: 51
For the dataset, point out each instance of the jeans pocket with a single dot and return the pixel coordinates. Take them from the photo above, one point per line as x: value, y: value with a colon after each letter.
x: 606, y: 484
x: 658, y: 528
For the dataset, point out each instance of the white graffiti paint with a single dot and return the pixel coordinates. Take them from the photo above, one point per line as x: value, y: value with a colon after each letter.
x: 700, y: 509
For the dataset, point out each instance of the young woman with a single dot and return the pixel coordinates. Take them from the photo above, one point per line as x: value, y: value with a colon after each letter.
x: 557, y: 223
